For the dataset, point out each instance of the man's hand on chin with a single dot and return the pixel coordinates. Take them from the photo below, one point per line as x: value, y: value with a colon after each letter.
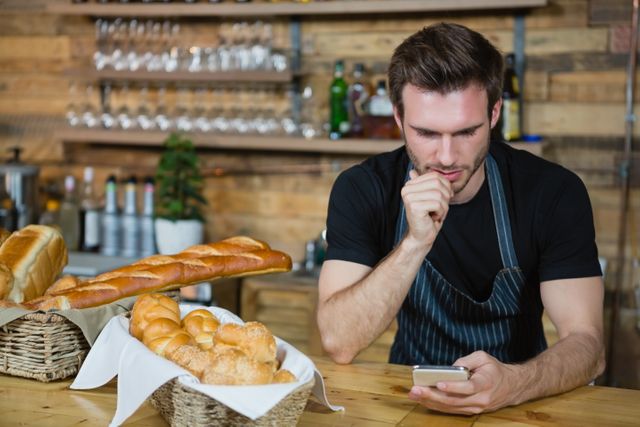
x: 492, y: 385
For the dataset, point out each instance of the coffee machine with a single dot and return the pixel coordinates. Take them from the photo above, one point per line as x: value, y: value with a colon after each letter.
x: 18, y: 192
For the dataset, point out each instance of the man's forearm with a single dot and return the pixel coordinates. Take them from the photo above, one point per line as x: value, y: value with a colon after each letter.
x: 572, y: 362
x: 352, y: 318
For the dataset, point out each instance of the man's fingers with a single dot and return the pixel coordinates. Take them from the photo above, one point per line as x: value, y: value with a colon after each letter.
x: 474, y: 360
x: 413, y: 174
x: 451, y: 403
x: 465, y: 388
x: 437, y: 209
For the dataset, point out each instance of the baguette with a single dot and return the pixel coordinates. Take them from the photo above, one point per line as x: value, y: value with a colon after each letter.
x: 233, y: 257
x: 30, y: 261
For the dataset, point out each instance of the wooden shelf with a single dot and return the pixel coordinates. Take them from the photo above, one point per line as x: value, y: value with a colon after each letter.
x: 231, y: 142
x: 184, y: 76
x: 287, y: 8
x: 248, y: 142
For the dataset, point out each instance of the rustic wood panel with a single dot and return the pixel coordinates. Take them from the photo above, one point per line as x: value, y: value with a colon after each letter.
x: 35, y: 48
x: 577, y: 61
x: 538, y: 41
x: 536, y: 86
x: 559, y: 14
x: 602, y: 12
x: 575, y: 119
x: 589, y: 86
x: 286, y: 205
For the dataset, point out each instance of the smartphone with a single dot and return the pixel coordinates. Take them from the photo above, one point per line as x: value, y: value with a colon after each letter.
x: 429, y: 375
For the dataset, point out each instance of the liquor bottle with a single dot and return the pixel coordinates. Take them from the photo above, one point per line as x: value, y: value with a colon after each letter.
x: 380, y: 121
x: 380, y: 104
x: 358, y: 93
x: 89, y: 215
x: 147, y: 230
x: 510, y: 114
x: 130, y: 221
x: 70, y: 215
x: 110, y: 219
x: 338, y: 113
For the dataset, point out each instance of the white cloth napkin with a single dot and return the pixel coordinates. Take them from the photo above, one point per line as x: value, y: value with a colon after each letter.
x: 141, y: 372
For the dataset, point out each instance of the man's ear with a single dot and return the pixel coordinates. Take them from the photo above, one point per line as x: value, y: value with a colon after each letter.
x: 495, y: 113
x: 398, y: 119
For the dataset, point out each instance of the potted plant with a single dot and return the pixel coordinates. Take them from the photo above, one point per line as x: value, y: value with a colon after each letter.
x: 179, y: 222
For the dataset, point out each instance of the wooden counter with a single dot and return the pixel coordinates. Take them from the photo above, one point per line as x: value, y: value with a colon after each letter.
x: 372, y: 393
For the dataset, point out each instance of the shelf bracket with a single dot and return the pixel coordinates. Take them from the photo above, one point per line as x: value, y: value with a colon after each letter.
x: 518, y: 50
x: 296, y: 58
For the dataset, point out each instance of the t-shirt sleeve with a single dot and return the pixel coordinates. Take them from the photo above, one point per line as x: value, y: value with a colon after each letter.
x: 568, y: 247
x: 351, y: 222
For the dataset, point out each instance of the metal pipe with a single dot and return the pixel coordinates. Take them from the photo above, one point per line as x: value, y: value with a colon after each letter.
x: 625, y: 168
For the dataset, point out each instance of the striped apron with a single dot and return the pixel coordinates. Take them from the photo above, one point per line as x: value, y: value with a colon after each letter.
x: 438, y: 323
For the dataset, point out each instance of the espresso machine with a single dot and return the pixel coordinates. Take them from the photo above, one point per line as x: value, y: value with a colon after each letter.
x: 18, y: 192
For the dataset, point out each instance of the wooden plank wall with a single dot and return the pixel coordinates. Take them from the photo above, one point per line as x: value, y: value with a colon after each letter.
x: 574, y: 91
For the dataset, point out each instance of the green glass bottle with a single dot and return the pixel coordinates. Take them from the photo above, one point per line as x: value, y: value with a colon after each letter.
x: 338, y: 111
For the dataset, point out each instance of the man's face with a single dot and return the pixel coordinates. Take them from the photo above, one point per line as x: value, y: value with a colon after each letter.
x: 449, y: 134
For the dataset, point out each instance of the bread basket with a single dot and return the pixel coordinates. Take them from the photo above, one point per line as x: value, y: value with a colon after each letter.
x: 42, y: 346
x: 47, y: 346
x: 182, y: 406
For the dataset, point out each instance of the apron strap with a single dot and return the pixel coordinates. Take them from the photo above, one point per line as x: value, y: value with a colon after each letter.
x: 501, y: 214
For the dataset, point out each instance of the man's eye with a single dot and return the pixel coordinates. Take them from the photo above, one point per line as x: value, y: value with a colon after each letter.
x: 426, y: 134
x: 468, y: 133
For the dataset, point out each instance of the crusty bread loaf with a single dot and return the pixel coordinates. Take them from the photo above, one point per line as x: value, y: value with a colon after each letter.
x: 233, y: 257
x: 30, y: 261
x: 63, y: 284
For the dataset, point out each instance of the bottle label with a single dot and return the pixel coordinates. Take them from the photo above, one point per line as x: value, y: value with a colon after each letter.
x: 130, y: 235
x: 91, y: 229
x: 510, y: 120
x: 110, y: 234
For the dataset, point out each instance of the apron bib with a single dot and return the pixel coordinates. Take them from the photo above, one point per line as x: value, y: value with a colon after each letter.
x: 438, y: 323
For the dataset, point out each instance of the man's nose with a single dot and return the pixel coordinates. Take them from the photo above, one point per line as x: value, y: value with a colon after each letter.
x: 446, y: 156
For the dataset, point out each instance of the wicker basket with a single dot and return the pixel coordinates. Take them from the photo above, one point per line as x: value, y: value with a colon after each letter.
x: 42, y: 346
x: 182, y: 406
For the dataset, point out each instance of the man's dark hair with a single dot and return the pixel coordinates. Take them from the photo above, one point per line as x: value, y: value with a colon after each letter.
x: 444, y: 58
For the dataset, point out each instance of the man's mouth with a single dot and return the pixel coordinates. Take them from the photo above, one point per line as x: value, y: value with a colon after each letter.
x: 450, y: 175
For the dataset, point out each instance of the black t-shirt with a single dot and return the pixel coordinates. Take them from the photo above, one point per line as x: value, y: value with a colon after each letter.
x: 549, y: 209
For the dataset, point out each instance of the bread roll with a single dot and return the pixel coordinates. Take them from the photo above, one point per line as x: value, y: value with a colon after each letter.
x: 234, y: 367
x: 200, y: 322
x: 150, y: 307
x: 192, y: 358
x: 283, y: 376
x: 158, y: 328
x: 253, y: 338
x: 167, y: 344
x: 31, y: 259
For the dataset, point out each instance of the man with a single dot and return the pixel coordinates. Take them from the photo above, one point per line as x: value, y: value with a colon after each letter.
x: 465, y: 241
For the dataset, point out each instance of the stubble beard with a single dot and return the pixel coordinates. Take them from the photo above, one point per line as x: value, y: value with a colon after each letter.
x: 456, y: 186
